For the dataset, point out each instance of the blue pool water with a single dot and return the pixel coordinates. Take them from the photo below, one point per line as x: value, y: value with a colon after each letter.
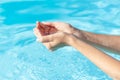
x: 22, y: 58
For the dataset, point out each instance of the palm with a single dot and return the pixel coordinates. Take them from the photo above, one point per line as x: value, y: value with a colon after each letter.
x: 64, y: 27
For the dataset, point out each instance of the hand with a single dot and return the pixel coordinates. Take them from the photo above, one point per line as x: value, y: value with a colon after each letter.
x: 61, y: 26
x: 53, y: 40
x: 67, y: 28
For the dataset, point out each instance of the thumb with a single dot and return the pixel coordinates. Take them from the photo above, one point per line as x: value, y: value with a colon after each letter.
x: 50, y: 45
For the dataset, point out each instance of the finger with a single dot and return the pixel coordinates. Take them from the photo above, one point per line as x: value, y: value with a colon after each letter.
x: 47, y: 45
x: 38, y: 38
x: 37, y: 24
x: 50, y: 45
x: 37, y: 34
x: 48, y: 23
x: 34, y: 31
x: 47, y: 38
x: 53, y: 44
x: 43, y: 38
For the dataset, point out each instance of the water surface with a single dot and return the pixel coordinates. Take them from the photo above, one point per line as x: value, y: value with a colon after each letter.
x: 22, y: 58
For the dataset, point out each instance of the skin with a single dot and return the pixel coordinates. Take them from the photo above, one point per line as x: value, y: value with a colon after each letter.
x: 79, y: 39
x: 100, y: 40
x: 109, y: 42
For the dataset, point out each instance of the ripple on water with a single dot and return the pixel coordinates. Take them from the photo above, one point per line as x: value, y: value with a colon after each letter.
x: 21, y: 58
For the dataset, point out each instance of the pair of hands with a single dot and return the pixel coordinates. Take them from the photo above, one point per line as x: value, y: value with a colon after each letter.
x: 60, y: 37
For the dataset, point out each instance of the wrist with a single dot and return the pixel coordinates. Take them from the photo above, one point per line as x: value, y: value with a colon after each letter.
x: 78, y: 33
x: 69, y: 39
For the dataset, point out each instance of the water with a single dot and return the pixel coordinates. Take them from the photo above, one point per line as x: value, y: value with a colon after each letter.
x: 22, y: 58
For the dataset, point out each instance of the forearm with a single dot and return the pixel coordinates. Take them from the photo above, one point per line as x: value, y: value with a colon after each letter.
x: 103, y: 61
x: 107, y: 41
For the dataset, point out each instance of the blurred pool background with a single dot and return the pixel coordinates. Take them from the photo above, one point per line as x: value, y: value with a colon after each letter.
x: 22, y: 58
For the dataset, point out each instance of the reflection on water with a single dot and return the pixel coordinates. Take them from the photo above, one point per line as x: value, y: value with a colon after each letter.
x: 22, y: 58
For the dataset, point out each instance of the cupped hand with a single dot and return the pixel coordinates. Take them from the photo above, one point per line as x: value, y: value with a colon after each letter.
x: 52, y: 40
x: 67, y: 28
x: 61, y: 26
